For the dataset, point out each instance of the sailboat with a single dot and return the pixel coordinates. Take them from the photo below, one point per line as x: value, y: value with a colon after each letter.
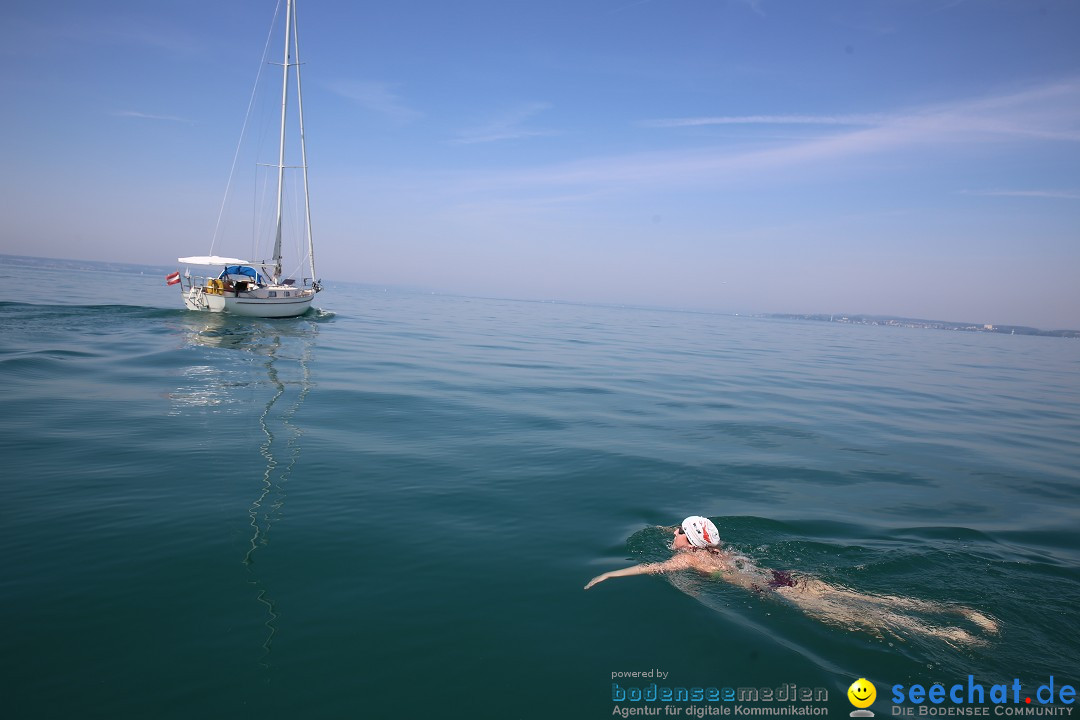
x: 260, y: 288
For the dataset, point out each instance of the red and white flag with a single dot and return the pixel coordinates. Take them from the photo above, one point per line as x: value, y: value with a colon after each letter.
x: 172, y: 278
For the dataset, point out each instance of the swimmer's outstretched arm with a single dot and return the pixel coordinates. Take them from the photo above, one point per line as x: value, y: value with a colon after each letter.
x: 681, y: 561
x: 646, y: 569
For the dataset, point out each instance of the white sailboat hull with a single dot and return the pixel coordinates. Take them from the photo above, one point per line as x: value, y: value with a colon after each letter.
x: 257, y: 304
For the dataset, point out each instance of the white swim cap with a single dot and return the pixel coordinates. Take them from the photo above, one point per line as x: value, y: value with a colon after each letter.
x: 701, y: 532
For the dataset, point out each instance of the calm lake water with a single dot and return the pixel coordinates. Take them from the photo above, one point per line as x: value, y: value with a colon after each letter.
x: 389, y: 507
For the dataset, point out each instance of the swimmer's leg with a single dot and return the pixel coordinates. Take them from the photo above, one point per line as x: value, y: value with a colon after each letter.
x: 808, y: 586
x: 985, y: 622
x: 875, y: 613
x: 952, y: 635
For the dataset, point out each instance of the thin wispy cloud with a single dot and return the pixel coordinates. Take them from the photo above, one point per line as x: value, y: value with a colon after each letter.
x: 766, y: 120
x: 1048, y: 113
x: 133, y: 32
x: 1050, y: 194
x: 510, y: 125
x: 628, y: 6
x: 67, y: 35
x: 754, y: 5
x: 377, y: 97
x: 949, y: 5
x: 148, y: 116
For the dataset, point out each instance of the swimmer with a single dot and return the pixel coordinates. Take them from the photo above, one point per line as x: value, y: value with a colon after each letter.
x: 697, y: 547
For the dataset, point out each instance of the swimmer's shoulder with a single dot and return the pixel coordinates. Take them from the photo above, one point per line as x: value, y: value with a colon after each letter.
x: 712, y: 564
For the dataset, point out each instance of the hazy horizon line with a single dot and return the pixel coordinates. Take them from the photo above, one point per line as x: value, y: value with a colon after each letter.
x: 582, y: 303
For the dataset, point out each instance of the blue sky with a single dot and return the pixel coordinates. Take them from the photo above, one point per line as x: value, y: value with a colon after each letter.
x: 909, y: 157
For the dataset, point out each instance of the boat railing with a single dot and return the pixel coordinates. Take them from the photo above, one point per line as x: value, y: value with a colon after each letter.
x: 219, y: 286
x: 191, y: 282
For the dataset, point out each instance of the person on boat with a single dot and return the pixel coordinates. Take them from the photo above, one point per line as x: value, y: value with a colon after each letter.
x: 697, y: 546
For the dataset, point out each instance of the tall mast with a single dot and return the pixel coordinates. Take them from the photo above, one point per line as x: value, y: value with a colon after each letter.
x: 303, y: 150
x: 281, y: 151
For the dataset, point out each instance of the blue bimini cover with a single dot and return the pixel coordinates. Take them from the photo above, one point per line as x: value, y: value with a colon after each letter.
x: 241, y: 270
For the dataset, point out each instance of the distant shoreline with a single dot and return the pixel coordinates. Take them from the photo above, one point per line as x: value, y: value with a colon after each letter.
x: 924, y: 324
x: 889, y: 320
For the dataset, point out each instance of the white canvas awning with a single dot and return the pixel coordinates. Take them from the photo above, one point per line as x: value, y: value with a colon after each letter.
x: 215, y: 260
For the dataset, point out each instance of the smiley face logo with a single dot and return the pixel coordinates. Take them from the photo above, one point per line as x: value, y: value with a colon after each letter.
x: 862, y: 693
